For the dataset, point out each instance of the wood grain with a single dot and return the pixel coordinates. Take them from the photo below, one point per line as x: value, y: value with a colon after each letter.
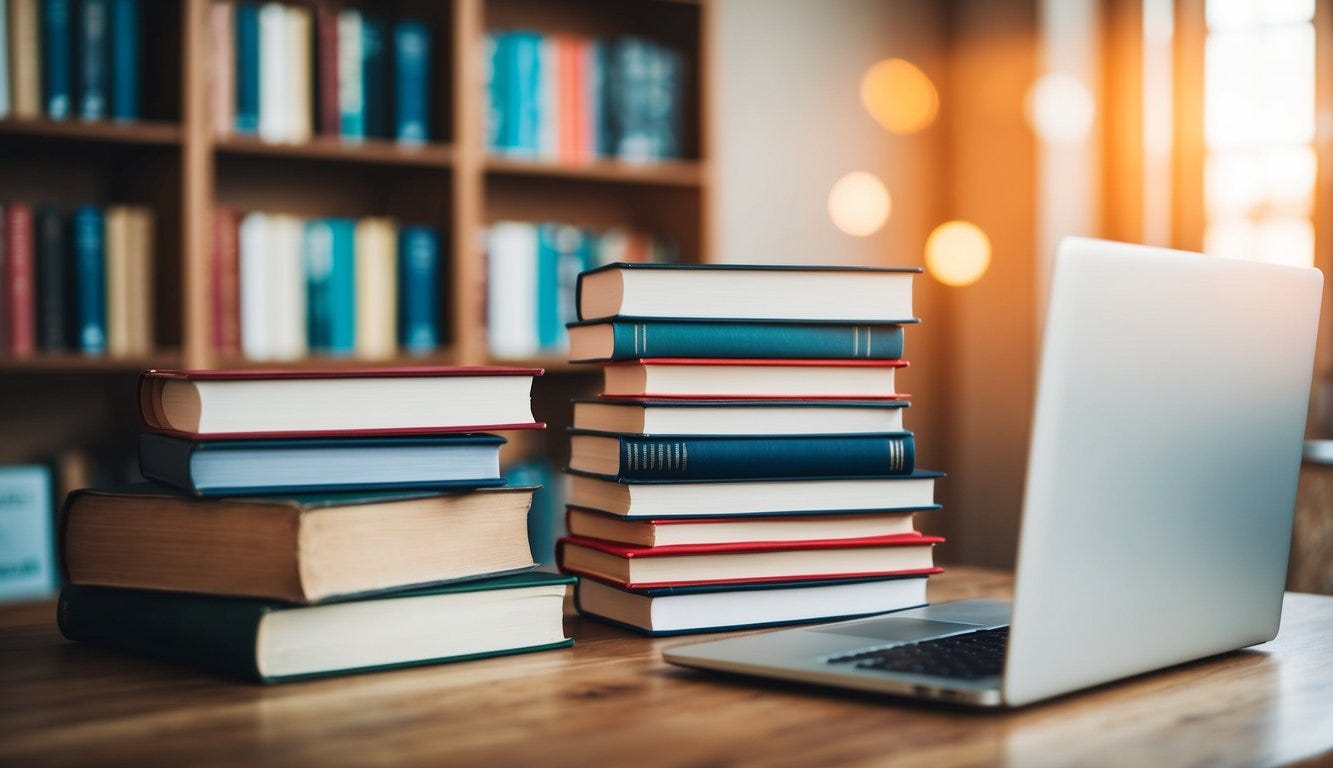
x: 610, y: 700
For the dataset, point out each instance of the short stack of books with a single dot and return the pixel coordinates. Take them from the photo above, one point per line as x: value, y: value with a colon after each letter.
x: 746, y: 463
x: 310, y: 523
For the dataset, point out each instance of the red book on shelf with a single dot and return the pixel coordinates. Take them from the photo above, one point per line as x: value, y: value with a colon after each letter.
x: 752, y: 379
x: 580, y: 110
x: 637, y: 567
x: 326, y: 66
x: 567, y: 90
x: 224, y: 278
x: 337, y: 402
x: 18, y: 281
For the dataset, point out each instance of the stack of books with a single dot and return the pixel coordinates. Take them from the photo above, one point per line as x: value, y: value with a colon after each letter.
x: 315, y: 523
x: 746, y: 463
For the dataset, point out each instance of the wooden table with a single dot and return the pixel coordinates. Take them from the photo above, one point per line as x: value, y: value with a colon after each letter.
x: 611, y: 701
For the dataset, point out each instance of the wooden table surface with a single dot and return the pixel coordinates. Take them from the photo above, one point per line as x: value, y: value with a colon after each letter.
x: 610, y: 701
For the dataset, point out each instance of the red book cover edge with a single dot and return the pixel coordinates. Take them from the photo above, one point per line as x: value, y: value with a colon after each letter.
x: 773, y: 362
x: 629, y: 552
x: 803, y: 580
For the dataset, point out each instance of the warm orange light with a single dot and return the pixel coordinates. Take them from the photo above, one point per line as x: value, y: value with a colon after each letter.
x: 1060, y: 108
x: 957, y: 253
x: 899, y: 96
x: 859, y: 204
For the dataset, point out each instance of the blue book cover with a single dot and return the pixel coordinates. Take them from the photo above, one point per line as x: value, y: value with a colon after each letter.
x: 94, y: 53
x: 523, y: 96
x: 247, y: 68
x: 546, y: 516
x: 548, y: 288
x: 497, y: 53
x: 411, y: 43
x: 330, y: 265
x: 125, y: 59
x: 375, y: 74
x: 418, y: 288
x: 27, y: 518
x: 90, y: 280
x: 741, y: 457
x: 56, y: 59
x: 628, y: 338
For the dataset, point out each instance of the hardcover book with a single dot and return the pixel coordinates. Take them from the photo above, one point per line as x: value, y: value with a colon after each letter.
x: 865, y: 524
x: 57, y: 58
x: 751, y: 378
x: 18, y: 283
x: 247, y: 67
x: 94, y: 53
x: 330, y: 268
x: 52, y: 280
x: 412, y: 82
x: 264, y: 641
x: 419, y: 287
x: 90, y: 280
x: 299, y: 549
x: 330, y: 402
x: 25, y: 57
x: 628, y: 338
x: 738, y: 417
x: 125, y: 44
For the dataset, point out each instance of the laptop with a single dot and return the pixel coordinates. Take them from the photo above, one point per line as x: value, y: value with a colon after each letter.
x: 1161, y: 479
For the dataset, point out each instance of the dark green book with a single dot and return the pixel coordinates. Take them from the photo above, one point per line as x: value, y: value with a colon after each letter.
x: 267, y: 641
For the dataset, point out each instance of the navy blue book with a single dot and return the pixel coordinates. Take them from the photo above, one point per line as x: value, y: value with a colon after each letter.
x: 90, y: 280
x: 411, y: 82
x: 125, y: 59
x: 57, y: 34
x: 52, y: 252
x: 330, y: 262
x: 418, y: 288
x: 247, y: 67
x: 94, y: 59
x: 625, y: 457
x: 629, y: 338
x: 265, y: 466
x: 375, y: 74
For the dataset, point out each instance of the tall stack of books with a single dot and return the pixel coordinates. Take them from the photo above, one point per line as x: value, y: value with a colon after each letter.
x: 746, y: 463
x: 315, y: 523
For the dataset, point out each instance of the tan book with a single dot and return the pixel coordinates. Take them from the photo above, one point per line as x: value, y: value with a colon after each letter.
x: 301, y: 96
x: 139, y: 328
x: 25, y: 57
x: 376, y: 288
x: 222, y: 67
x: 118, y: 278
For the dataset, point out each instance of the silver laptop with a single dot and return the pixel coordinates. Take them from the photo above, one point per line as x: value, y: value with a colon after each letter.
x: 1161, y: 480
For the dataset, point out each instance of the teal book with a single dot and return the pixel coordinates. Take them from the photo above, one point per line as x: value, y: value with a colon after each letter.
x: 375, y: 75
x: 125, y: 59
x: 269, y: 642
x: 247, y: 67
x: 418, y: 289
x: 94, y: 53
x: 625, y: 457
x: 411, y: 82
x: 630, y: 338
x: 89, y: 280
x: 330, y: 262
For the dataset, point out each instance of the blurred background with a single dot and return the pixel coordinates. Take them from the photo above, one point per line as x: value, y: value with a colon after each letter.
x: 150, y: 149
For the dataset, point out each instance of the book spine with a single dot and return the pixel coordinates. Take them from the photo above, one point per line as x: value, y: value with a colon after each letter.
x: 286, y: 287
x: 94, y: 59
x: 756, y: 340
x: 566, y: 89
x: 548, y: 288
x: 523, y: 100
x: 125, y: 51
x: 411, y: 42
x: 25, y: 69
x: 375, y: 75
x: 252, y: 237
x: 90, y: 279
x: 330, y: 295
x: 117, y: 270
x: 376, y: 280
x: 419, y: 285
x: 247, y: 67
x: 216, y: 635
x: 495, y: 79
x: 351, y: 88
x: 18, y: 280
x: 299, y: 103
x: 326, y: 70
x: 224, y: 274
x: 6, y: 97
x: 52, y: 281
x: 511, y: 288
x: 222, y: 66
x: 4, y: 291
x: 56, y: 58
x: 142, y: 271
x: 744, y: 458
x: 548, y: 98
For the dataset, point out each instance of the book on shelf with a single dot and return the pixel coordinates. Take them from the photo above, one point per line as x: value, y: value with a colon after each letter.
x: 129, y: 280
x: 328, y: 402
x: 224, y: 275
x: 57, y: 58
x: 266, y: 641
x: 94, y: 54
x: 737, y: 417
x: 330, y: 268
x: 89, y: 254
x: 351, y: 87
x: 125, y: 59
x: 53, y: 271
x: 284, y: 53
x: 748, y: 292
x: 246, y: 54
x: 18, y: 330
x: 675, y: 610
x: 593, y: 524
x: 299, y: 549
x: 326, y: 70
x: 273, y: 287
x: 321, y: 464
x: 25, y: 58
x: 375, y: 73
x: 419, y: 288
x: 411, y: 81
x: 628, y: 338
x: 741, y: 457
x: 27, y: 548
x: 751, y: 378
x: 650, y: 500
x: 632, y: 567
x: 376, y: 256
x: 223, y: 76
x: 6, y: 95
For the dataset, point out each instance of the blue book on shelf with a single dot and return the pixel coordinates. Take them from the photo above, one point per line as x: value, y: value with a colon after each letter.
x: 330, y: 264
x: 27, y: 548
x: 90, y: 279
x: 94, y: 54
x: 629, y: 458
x: 666, y: 115
x: 548, y: 287
x: 629, y: 338
x: 418, y: 288
x: 125, y: 59
x: 546, y: 516
x: 56, y: 58
x: 523, y: 96
x: 5, y: 101
x: 497, y: 52
x: 411, y: 96
x: 375, y: 74
x: 263, y: 466
x: 247, y: 67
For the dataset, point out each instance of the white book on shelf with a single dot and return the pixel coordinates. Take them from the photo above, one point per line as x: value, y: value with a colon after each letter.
x: 548, y: 88
x: 300, y: 102
x: 286, y: 310
x: 4, y: 59
x: 256, y: 341
x: 274, y: 81
x: 351, y: 87
x: 376, y: 244
x: 511, y: 288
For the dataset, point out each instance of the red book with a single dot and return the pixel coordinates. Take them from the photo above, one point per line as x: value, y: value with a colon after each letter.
x: 579, y: 110
x: 326, y: 66
x: 566, y: 94
x: 635, y: 567
x: 752, y: 379
x: 337, y: 402
x: 18, y: 281
x: 224, y: 276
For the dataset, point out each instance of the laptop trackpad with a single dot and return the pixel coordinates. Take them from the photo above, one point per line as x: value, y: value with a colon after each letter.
x: 898, y: 629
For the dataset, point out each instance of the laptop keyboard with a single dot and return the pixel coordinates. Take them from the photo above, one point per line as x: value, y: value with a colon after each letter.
x: 969, y: 656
